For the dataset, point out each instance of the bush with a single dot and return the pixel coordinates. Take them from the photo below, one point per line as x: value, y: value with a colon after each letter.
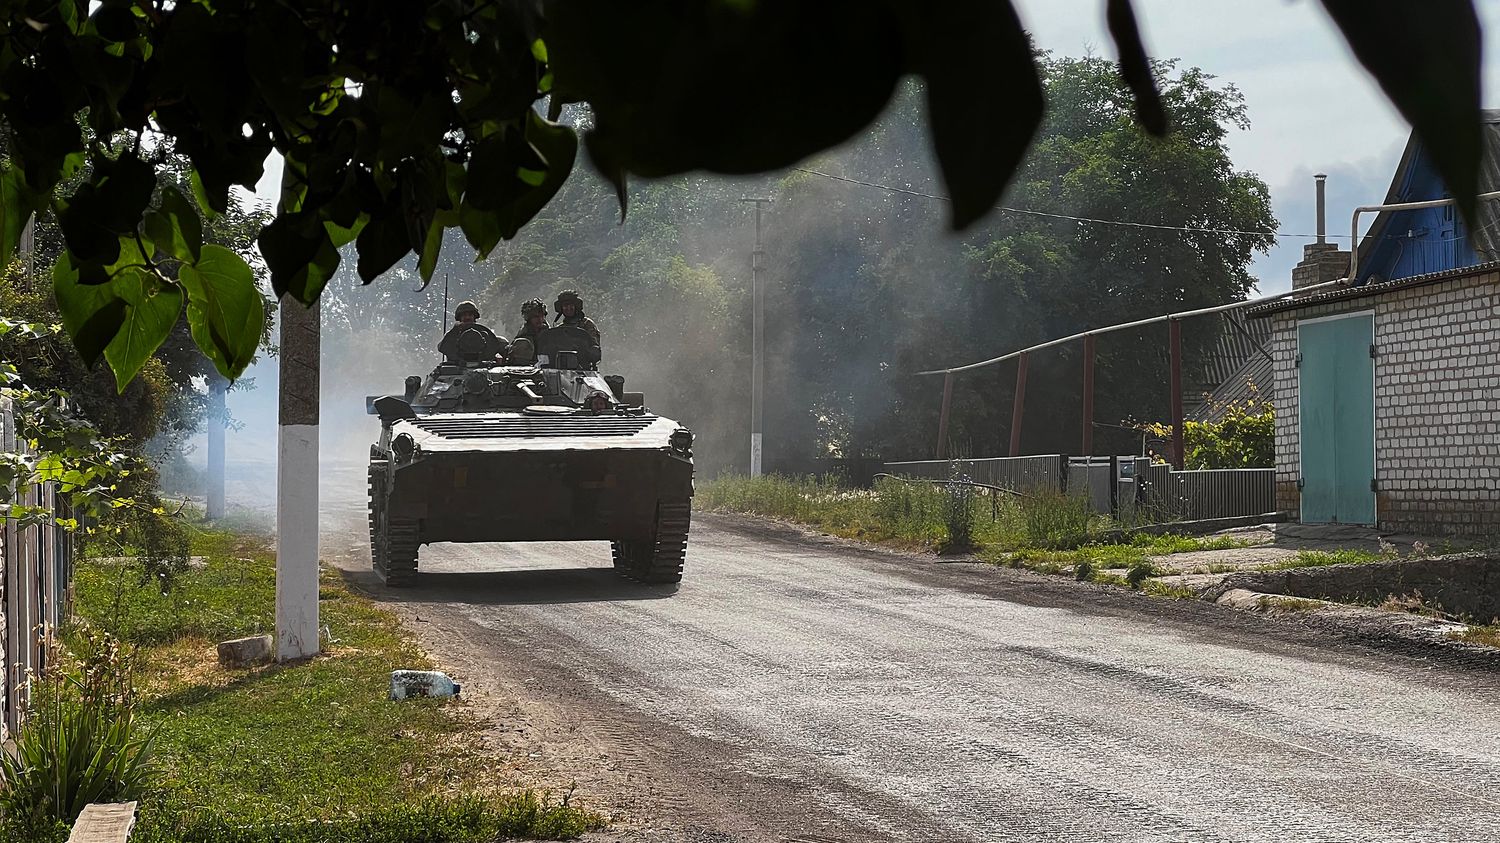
x: 1246, y: 438
x: 80, y: 742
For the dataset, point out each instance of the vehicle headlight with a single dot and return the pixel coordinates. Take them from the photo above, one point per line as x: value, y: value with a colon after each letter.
x: 404, y: 446
x: 681, y: 440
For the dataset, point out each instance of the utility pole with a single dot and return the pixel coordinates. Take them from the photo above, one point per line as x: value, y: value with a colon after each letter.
x: 218, y: 415
x: 297, y: 484
x: 757, y: 343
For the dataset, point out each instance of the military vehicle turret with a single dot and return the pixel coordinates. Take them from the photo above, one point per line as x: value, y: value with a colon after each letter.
x: 552, y: 451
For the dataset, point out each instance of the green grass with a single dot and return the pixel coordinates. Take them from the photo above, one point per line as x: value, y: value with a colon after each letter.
x: 1487, y: 635
x: 316, y: 744
x: 1320, y: 558
x: 1052, y: 534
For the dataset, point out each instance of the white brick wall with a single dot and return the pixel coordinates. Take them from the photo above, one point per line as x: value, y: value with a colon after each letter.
x: 1437, y: 405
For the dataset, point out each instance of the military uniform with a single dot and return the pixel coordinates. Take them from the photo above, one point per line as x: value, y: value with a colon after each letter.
x: 581, y: 321
x: 529, y: 333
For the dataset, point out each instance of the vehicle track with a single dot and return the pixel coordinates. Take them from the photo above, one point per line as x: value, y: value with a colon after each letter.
x: 795, y: 687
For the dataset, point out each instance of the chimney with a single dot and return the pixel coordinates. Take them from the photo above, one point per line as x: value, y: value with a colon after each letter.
x: 1321, y: 261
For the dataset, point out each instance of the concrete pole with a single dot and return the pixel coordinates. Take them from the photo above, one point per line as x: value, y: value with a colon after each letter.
x: 757, y: 343
x: 1178, y: 456
x: 218, y: 414
x: 1018, y: 408
x: 942, y: 443
x: 1088, y: 396
x: 297, y: 485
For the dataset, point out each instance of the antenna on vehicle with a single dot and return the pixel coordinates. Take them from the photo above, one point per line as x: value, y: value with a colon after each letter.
x: 443, y: 317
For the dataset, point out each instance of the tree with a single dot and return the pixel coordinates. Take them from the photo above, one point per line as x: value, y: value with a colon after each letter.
x: 1036, y: 278
x: 399, y: 126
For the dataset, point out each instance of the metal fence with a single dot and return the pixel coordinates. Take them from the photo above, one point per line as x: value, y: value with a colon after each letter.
x: 1132, y: 488
x: 1021, y: 474
x: 35, y: 569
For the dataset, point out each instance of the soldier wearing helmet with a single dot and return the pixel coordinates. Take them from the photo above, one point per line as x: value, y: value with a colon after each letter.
x: 466, y: 318
x: 523, y: 349
x: 569, y: 307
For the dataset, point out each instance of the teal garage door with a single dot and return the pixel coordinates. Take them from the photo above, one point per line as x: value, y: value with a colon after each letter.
x: 1336, y: 368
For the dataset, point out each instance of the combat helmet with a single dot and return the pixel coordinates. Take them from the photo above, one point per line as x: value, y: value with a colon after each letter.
x: 466, y: 307
x: 531, y: 306
x: 568, y: 296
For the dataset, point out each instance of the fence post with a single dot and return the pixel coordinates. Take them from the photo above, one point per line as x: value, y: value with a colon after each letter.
x: 1178, y: 456
x: 942, y: 443
x: 1062, y: 473
x: 1019, y: 407
x: 1088, y: 396
x: 1114, y: 486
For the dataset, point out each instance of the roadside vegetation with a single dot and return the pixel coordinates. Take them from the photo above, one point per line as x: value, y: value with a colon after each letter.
x: 312, y: 752
x: 1053, y: 534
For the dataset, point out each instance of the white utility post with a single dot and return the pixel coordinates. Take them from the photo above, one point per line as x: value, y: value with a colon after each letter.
x: 218, y: 414
x: 757, y: 341
x: 297, y: 484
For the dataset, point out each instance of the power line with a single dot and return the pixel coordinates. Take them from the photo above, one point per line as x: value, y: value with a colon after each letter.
x: 1092, y: 220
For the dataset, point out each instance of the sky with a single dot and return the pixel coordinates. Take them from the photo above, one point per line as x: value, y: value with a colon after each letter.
x: 1312, y: 107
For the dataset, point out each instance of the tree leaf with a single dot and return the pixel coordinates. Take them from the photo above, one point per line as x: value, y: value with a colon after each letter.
x: 481, y: 229
x: 226, y: 313
x: 92, y: 314
x: 1427, y: 61
x: 432, y: 244
x: 1135, y: 66
x: 151, y: 311
x: 984, y: 98
x: 175, y: 227
x: 383, y: 241
x: 289, y: 243
x: 308, y: 282
x: 557, y: 147
x: 17, y: 203
x: 713, y: 93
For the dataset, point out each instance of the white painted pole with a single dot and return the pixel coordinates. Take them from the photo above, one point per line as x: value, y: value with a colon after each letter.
x: 757, y: 343
x: 217, y: 415
x: 297, y: 485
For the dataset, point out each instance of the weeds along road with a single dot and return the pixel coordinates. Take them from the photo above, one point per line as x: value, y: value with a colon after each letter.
x: 799, y: 688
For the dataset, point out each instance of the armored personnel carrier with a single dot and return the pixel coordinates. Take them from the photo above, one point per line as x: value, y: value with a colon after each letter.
x: 553, y: 451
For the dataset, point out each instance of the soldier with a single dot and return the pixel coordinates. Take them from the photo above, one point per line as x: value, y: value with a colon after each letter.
x: 569, y: 307
x: 534, y: 314
x: 466, y: 315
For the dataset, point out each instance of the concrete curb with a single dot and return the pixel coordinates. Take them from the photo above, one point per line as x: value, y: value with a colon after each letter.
x: 1463, y: 585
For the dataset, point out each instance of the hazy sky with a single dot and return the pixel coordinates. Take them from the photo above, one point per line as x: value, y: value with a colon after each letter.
x: 1312, y: 108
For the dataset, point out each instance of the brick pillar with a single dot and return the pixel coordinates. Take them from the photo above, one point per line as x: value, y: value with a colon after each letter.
x: 1320, y: 262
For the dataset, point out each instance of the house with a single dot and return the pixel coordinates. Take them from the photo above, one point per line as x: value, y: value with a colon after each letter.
x: 1387, y: 391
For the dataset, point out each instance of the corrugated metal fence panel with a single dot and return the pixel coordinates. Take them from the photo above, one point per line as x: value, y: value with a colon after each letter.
x: 1223, y: 493
x: 1022, y: 474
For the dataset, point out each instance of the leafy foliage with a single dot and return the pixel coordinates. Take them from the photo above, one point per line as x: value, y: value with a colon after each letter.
x: 56, y: 445
x: 81, y: 742
x: 1244, y: 438
x: 398, y: 126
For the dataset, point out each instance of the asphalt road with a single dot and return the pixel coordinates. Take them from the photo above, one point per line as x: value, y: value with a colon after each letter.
x: 800, y: 688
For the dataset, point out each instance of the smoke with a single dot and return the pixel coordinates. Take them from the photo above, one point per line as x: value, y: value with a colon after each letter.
x: 864, y: 287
